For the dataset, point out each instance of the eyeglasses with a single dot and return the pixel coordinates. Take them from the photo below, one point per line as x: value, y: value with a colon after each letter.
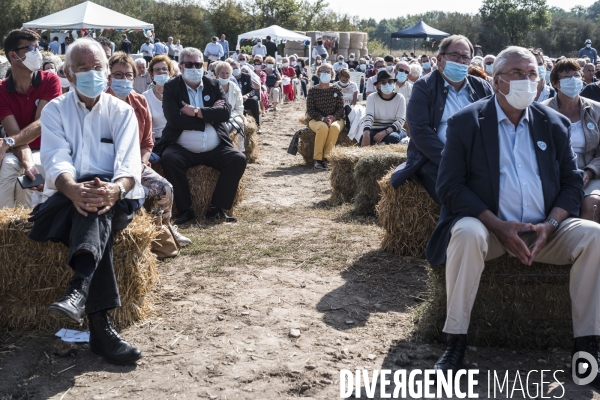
x: 196, y: 65
x: 403, y: 70
x: 519, y: 75
x: 120, y: 75
x: 158, y: 70
x: 489, y: 63
x: 457, y: 57
x: 30, y: 48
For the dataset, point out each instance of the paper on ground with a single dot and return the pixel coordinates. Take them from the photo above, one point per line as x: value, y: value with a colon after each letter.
x: 73, y: 336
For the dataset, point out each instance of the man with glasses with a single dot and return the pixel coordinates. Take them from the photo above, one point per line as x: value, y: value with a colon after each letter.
x: 488, y: 64
x: 509, y: 182
x: 403, y: 85
x: 544, y: 90
x: 195, y: 134
x: 23, y: 96
x: 434, y: 99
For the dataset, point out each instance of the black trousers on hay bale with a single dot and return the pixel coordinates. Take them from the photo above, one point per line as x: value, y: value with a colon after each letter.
x: 306, y: 144
x: 516, y: 306
x: 408, y: 215
x: 33, y: 275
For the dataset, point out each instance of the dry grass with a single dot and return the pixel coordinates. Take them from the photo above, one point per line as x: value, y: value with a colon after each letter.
x: 408, y: 216
x: 34, y: 275
x: 306, y: 144
x: 516, y: 306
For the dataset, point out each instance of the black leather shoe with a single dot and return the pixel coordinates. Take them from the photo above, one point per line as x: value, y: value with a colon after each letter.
x: 107, y: 343
x: 217, y: 214
x: 452, y: 358
x: 589, y: 345
x: 72, y: 304
x: 185, y: 216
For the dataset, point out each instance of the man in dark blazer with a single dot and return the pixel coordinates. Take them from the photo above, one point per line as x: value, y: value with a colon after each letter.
x: 508, y: 182
x: 195, y: 110
x: 434, y: 99
x: 271, y: 47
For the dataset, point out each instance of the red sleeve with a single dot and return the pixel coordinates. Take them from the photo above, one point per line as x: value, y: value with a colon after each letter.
x: 146, y: 140
x: 5, y: 109
x: 52, y: 87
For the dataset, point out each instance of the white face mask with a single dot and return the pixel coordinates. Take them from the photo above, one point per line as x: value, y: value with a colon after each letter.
x: 64, y: 83
x: 351, y: 58
x: 33, y: 60
x: 286, y: 64
x: 489, y: 69
x: 51, y: 70
x: 521, y: 93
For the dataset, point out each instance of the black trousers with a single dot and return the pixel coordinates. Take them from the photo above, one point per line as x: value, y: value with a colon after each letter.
x: 252, y: 106
x: 148, y: 59
x: 427, y: 177
x: 228, y: 161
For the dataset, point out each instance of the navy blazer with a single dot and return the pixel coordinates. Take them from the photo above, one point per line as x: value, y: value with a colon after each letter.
x: 468, y: 181
x: 175, y: 92
x: 424, y: 113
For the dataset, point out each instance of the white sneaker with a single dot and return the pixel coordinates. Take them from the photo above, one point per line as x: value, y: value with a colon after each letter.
x: 182, y: 240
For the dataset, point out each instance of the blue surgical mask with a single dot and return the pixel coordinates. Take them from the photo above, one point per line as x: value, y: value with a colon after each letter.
x: 223, y: 81
x: 121, y: 87
x: 236, y: 72
x: 387, y: 88
x: 325, y: 77
x: 455, y: 72
x: 193, y: 75
x: 426, y: 65
x: 270, y: 66
x: 402, y: 76
x: 588, y: 45
x: 90, y: 83
x: 541, y: 71
x: 363, y: 67
x: 160, y: 80
x: 547, y: 76
x: 381, y: 69
x: 571, y: 86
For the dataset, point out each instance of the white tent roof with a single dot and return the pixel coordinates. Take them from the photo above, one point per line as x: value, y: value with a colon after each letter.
x: 87, y: 15
x: 275, y: 31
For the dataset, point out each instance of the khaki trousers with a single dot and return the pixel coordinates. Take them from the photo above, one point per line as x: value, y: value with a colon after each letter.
x: 576, y: 242
x: 326, y: 137
x: 11, y: 193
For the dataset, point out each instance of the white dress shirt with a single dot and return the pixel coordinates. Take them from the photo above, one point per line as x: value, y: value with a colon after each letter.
x: 198, y: 141
x: 72, y: 141
x: 455, y: 101
x: 147, y: 50
x: 521, y: 198
x: 337, y: 66
x: 259, y: 49
x: 213, y: 48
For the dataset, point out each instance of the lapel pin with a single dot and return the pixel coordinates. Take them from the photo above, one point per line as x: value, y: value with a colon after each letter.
x: 590, y: 125
x: 541, y: 145
x: 206, y: 98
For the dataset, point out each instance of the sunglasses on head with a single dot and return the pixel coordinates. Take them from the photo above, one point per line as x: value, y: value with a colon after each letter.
x: 189, y: 64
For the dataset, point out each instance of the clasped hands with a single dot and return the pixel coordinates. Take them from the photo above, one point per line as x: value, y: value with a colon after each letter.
x: 507, y: 233
x: 93, y: 196
x: 330, y: 119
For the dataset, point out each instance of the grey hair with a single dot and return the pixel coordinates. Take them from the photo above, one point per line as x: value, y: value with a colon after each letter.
x: 190, y: 52
x: 140, y: 61
x: 477, y: 61
x: 223, y: 64
x: 416, y: 69
x: 89, y: 44
x: 444, y: 44
x: 511, y: 53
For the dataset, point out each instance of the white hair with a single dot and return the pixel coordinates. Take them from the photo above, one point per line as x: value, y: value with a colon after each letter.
x: 511, y: 53
x: 190, y: 52
x: 140, y: 61
x: 89, y: 44
x: 477, y: 61
x: 416, y: 69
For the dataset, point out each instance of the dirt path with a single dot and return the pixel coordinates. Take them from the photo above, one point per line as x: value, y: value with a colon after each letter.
x: 225, y: 308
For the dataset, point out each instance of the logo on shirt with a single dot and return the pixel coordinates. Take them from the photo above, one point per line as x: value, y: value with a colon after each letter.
x: 542, y: 145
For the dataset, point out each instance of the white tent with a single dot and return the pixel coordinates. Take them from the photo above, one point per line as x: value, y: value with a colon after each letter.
x: 87, y: 15
x: 276, y: 32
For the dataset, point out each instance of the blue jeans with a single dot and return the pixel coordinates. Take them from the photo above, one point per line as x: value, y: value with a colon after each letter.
x: 392, y: 138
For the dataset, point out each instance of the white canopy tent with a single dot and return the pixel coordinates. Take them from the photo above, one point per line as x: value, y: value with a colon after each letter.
x: 87, y: 15
x: 277, y: 33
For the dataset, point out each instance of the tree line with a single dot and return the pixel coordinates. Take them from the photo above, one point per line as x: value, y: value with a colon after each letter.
x: 529, y: 23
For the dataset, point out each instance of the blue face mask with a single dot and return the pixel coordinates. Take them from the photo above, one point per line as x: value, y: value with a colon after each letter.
x: 402, y: 76
x: 426, y: 65
x: 571, y: 86
x: 387, y: 88
x: 541, y: 71
x: 547, y: 76
x: 455, y: 72
x: 193, y: 75
x: 90, y: 83
x: 381, y: 69
x: 121, y: 87
x: 160, y: 80
x: 325, y: 77
x: 223, y: 81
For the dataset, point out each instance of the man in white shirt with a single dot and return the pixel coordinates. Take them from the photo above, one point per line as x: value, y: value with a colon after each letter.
x: 195, y: 108
x: 170, y: 48
x: 91, y: 153
x: 147, y: 51
x: 213, y: 50
x: 259, y: 49
x: 339, y: 64
x: 177, y: 48
x: 403, y: 85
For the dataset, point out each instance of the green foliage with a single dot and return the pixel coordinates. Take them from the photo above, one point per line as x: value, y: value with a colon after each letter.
x: 511, y: 20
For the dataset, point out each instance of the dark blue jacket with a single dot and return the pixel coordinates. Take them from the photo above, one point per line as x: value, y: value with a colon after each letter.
x: 468, y: 182
x: 424, y: 113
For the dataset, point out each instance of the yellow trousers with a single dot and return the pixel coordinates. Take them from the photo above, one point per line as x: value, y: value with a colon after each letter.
x: 326, y: 137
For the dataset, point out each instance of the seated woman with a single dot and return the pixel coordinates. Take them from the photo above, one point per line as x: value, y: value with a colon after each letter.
x: 250, y: 90
x: 385, y: 114
x: 325, y: 108
x: 120, y: 81
x: 349, y: 89
x: 234, y: 99
x: 273, y: 82
x: 49, y: 66
x: 290, y: 72
x: 352, y: 62
x: 566, y: 78
x: 302, y: 75
x: 258, y: 70
x: 64, y: 82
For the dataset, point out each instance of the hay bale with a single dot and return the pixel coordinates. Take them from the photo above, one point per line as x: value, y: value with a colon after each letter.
x: 340, y: 52
x: 251, y: 131
x: 34, y: 275
x: 408, y: 215
x: 356, y: 40
x: 370, y: 168
x: 356, y: 53
x: 516, y: 306
x: 342, y: 161
x: 202, y: 181
x: 344, y: 40
x: 364, y: 52
x: 306, y: 144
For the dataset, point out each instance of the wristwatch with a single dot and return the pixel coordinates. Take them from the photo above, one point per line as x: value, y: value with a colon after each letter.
x: 10, y: 142
x: 122, y: 189
x: 196, y: 109
x: 552, y: 222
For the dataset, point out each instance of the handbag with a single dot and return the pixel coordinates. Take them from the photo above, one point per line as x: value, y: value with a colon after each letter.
x: 165, y: 245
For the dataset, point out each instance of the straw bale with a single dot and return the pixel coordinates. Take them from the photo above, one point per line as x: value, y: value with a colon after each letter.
x: 250, y: 149
x: 408, y: 216
x: 364, y: 52
x: 516, y: 306
x: 202, y: 181
x: 344, y: 40
x: 342, y: 161
x: 370, y: 167
x: 306, y: 144
x: 340, y: 52
x: 356, y: 40
x: 356, y: 52
x: 33, y: 275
